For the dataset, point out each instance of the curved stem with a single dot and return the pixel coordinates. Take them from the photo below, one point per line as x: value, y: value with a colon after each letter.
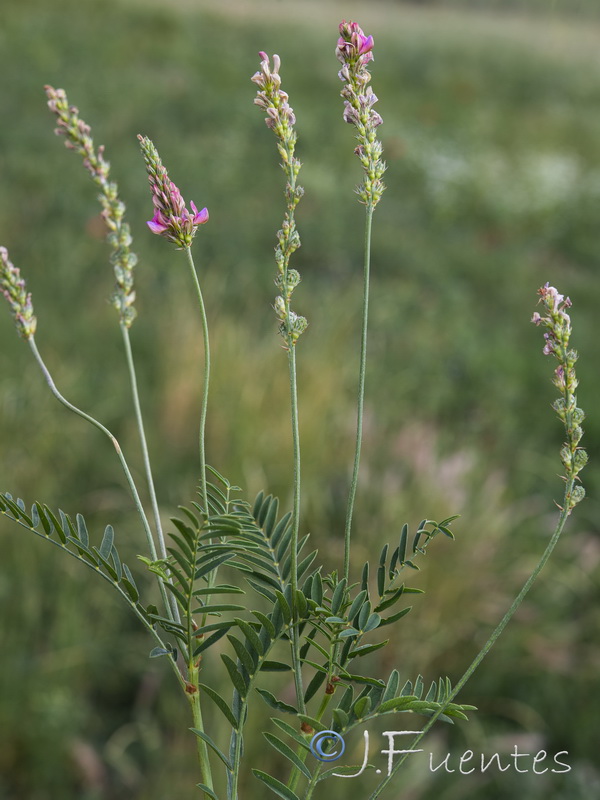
x: 490, y: 642
x: 105, y: 431
x: 361, y: 391
x: 116, y: 445
x: 146, y: 456
x: 201, y: 438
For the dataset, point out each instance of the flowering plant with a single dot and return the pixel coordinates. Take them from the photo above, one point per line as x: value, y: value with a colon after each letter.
x: 313, y: 625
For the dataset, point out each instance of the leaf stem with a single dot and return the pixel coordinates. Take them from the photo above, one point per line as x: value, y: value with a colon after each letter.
x: 491, y: 641
x: 361, y: 390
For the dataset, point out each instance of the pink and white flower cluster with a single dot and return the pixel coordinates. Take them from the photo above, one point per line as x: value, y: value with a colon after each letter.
x: 355, y: 50
x: 558, y: 322
x: 171, y: 217
x: 271, y: 98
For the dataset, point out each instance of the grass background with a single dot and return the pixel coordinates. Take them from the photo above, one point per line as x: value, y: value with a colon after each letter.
x: 492, y: 138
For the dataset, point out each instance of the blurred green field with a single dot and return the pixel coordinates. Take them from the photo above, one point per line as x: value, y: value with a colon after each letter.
x: 492, y: 138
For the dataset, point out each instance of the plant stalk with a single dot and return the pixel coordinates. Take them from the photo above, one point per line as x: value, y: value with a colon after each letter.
x: 146, y: 456
x: 204, y: 406
x: 193, y: 695
x: 295, y: 638
x: 361, y: 390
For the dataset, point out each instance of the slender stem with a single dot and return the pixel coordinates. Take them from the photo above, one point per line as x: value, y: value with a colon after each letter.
x: 237, y: 753
x: 146, y: 456
x: 296, y: 444
x: 295, y: 638
x: 302, y: 753
x: 116, y: 445
x: 193, y: 669
x: 238, y: 733
x: 104, y: 430
x: 492, y: 639
x: 201, y: 438
x: 193, y: 695
x: 313, y: 781
x: 361, y: 391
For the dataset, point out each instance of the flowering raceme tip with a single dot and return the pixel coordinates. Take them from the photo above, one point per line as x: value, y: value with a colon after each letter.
x: 12, y: 286
x: 171, y: 217
x: 353, y: 44
x: 556, y: 343
x: 355, y: 49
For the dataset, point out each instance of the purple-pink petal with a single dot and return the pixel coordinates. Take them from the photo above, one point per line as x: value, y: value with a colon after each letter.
x: 200, y: 217
x: 366, y: 44
x: 157, y: 224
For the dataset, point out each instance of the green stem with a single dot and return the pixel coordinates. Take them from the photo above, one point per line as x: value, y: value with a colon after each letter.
x: 193, y: 669
x: 193, y: 695
x: 174, y: 611
x: 296, y: 444
x: 116, y: 445
x: 104, y: 430
x: 302, y: 753
x: 361, y: 391
x: 490, y: 642
x: 237, y: 753
x: 313, y: 781
x: 201, y: 438
x: 295, y: 638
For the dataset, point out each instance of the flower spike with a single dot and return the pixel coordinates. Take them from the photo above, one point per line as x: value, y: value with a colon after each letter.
x: 355, y: 49
x: 12, y: 286
x: 78, y: 137
x: 171, y: 217
x: 558, y: 324
x: 281, y: 120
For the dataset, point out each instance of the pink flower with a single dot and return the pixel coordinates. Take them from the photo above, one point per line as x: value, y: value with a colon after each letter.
x: 354, y: 45
x: 161, y: 223
x: 171, y: 217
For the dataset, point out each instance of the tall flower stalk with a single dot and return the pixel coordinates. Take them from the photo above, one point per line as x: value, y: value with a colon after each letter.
x: 176, y: 224
x: 281, y: 120
x: 573, y: 457
x: 355, y: 50
x: 78, y: 137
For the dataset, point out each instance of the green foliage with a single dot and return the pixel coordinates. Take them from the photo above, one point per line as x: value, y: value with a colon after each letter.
x: 73, y: 538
